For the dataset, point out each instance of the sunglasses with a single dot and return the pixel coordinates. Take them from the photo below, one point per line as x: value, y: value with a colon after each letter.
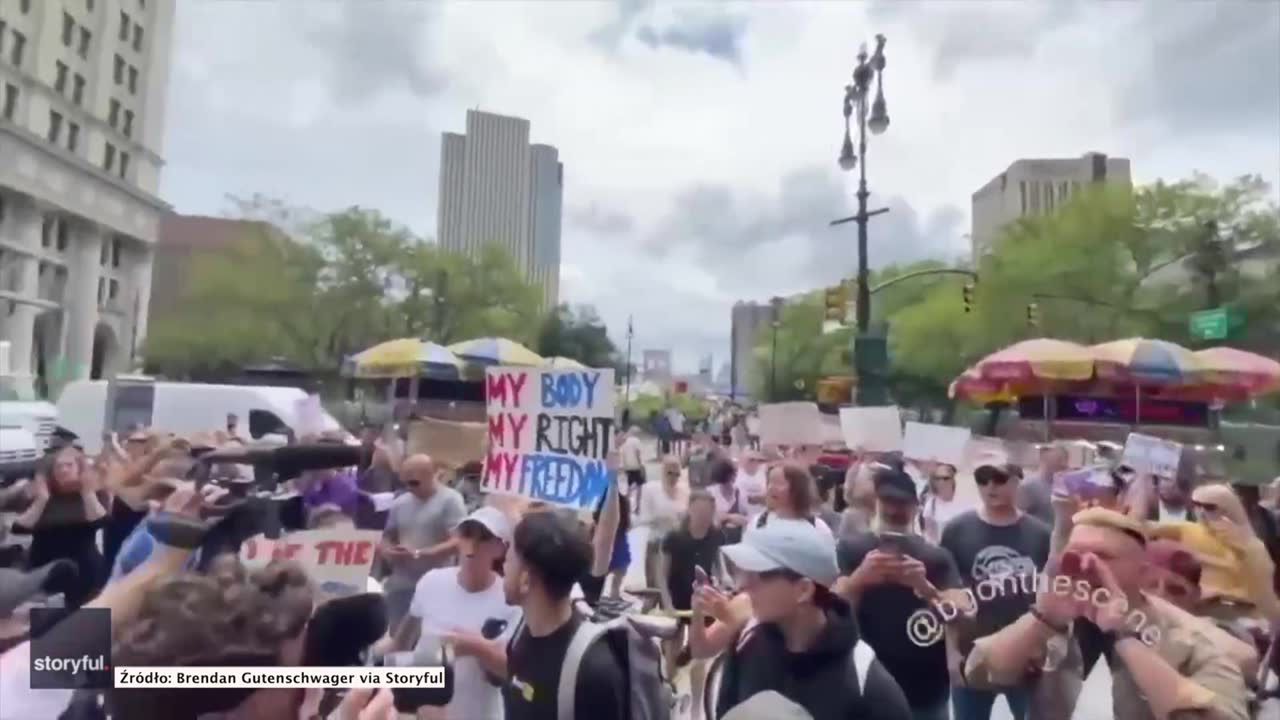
x: 990, y: 479
x: 944, y: 478
x: 779, y: 574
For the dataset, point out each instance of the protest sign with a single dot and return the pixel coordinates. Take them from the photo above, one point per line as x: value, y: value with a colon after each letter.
x: 337, y: 559
x: 1152, y: 455
x: 872, y: 429
x: 451, y: 443
x: 790, y: 423
x: 936, y: 443
x: 550, y: 434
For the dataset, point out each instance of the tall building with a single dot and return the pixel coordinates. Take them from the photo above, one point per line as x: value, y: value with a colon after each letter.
x: 496, y: 188
x: 83, y: 86
x: 656, y: 366
x: 1035, y: 187
x: 748, y: 320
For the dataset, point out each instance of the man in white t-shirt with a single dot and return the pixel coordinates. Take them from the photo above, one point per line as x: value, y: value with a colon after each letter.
x: 464, y: 607
x: 751, y: 482
x: 630, y: 455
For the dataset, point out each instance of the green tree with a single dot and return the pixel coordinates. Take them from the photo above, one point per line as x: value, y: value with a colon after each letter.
x: 804, y: 354
x: 577, y: 333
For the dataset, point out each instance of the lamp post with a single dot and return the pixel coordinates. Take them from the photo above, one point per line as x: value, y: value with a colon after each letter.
x: 775, y: 320
x: 870, y: 357
x: 626, y: 402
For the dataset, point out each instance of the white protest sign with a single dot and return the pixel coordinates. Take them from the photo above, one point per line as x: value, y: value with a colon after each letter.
x: 337, y: 559
x: 872, y: 429
x: 1152, y: 455
x: 310, y: 416
x: 550, y: 433
x: 791, y: 423
x: 936, y: 443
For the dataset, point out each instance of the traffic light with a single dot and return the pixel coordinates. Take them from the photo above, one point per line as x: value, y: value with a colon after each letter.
x: 836, y: 301
x: 968, y: 297
x: 1033, y: 315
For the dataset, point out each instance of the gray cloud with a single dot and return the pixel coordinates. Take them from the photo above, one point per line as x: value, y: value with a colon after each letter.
x: 717, y: 36
x: 962, y: 33
x: 595, y: 218
x: 767, y: 244
x: 372, y: 47
x: 1211, y: 66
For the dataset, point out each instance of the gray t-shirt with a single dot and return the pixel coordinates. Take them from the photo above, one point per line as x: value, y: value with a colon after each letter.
x: 420, y: 524
x: 999, y: 564
x: 1034, y: 498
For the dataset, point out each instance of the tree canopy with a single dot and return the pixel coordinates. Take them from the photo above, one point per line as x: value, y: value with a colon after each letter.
x: 314, y: 289
x: 1112, y: 262
x: 579, y: 334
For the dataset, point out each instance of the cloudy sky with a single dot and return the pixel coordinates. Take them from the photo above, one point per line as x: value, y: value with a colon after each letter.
x: 699, y: 140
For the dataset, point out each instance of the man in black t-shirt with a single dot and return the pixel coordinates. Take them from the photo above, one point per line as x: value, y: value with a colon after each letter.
x: 692, y: 546
x: 547, y: 555
x: 999, y: 551
x: 888, y: 572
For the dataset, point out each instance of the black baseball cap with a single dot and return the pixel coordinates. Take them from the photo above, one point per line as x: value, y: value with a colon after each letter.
x: 986, y: 473
x: 895, y: 484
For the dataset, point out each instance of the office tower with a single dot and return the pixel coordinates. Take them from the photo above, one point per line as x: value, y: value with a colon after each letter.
x: 748, y: 320
x: 497, y: 188
x: 83, y: 86
x: 1034, y: 187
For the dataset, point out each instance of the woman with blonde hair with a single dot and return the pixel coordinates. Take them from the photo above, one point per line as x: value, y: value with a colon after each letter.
x: 661, y: 512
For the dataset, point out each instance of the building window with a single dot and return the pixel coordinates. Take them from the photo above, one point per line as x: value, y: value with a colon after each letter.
x: 102, y: 290
x: 113, y: 289
x: 1062, y: 192
x: 109, y: 157
x: 88, y: 5
x: 85, y: 38
x: 10, y: 101
x: 124, y: 26
x: 68, y: 29
x: 1048, y: 197
x: 128, y: 123
x: 4, y: 29
x: 60, y: 80
x: 137, y: 38
x: 118, y: 75
x: 46, y: 231
x: 104, y: 253
x: 62, y: 236
x: 124, y: 165
x: 113, y: 112
x: 55, y: 126
x: 133, y: 80
x: 77, y: 94
x: 24, y: 6
x: 73, y: 137
x: 19, y: 46
x: 115, y: 252
x: 1022, y: 190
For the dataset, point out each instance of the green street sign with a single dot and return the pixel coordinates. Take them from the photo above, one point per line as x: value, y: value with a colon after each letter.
x: 1210, y: 324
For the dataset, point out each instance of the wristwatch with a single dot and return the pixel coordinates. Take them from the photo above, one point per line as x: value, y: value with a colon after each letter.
x: 1040, y: 617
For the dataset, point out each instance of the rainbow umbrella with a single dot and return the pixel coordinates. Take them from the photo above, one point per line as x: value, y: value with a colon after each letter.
x: 405, y: 357
x: 1238, y: 373
x: 1040, y: 359
x: 562, y: 363
x: 495, y: 351
x: 1148, y: 362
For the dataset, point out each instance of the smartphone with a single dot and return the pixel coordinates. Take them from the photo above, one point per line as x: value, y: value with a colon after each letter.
x: 893, y: 543
x: 700, y: 577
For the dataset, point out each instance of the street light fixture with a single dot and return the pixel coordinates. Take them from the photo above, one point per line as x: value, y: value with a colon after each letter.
x: 775, y: 321
x: 869, y: 114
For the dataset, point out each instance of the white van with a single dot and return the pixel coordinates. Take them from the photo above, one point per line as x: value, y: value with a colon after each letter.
x: 181, y: 408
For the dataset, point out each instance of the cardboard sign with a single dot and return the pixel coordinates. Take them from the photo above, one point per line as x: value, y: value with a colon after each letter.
x: 791, y: 423
x: 451, y: 443
x: 936, y: 443
x: 550, y: 434
x: 337, y: 559
x: 872, y: 429
x: 1152, y: 455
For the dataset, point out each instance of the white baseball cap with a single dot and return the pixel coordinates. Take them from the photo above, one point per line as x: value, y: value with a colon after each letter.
x: 793, y: 545
x: 491, y: 519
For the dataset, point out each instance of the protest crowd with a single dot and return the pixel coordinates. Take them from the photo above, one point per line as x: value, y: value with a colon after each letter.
x: 782, y: 580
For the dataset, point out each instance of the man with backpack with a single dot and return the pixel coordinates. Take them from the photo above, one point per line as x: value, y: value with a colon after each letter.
x: 803, y: 640
x: 547, y: 556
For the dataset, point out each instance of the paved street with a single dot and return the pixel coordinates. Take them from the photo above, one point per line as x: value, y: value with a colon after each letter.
x: 1095, y: 700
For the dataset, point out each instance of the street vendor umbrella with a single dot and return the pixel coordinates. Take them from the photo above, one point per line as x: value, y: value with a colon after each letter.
x: 1038, y: 360
x: 562, y: 363
x: 1237, y: 372
x: 406, y: 357
x: 495, y: 351
x: 1144, y: 361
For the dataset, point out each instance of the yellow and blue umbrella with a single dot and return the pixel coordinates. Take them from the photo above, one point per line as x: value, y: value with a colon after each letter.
x: 495, y: 351
x: 1147, y: 361
x: 405, y: 357
x: 562, y: 363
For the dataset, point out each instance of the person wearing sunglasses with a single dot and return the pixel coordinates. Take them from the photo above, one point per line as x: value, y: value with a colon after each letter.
x: 998, y: 550
x: 940, y: 505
